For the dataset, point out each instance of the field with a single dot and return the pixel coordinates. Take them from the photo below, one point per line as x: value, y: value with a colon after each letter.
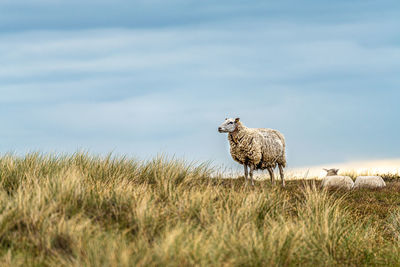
x: 83, y: 210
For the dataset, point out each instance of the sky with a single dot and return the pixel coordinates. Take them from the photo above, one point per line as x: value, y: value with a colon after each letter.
x: 142, y: 78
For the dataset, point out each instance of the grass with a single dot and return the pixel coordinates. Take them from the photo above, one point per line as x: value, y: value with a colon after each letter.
x: 82, y: 210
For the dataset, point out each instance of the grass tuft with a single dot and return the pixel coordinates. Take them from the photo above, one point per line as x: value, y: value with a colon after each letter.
x: 83, y: 210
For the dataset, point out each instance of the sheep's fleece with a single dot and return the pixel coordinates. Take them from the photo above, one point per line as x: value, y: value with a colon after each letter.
x: 338, y: 182
x: 259, y: 147
x: 369, y: 182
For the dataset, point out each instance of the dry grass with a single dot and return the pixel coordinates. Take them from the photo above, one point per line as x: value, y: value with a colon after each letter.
x: 81, y: 210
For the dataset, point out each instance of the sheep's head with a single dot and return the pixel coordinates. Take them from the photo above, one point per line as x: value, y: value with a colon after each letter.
x: 228, y: 126
x: 331, y: 172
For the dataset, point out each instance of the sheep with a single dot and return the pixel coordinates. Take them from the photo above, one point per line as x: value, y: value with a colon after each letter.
x: 334, y: 180
x: 256, y: 148
x: 338, y: 181
x: 369, y: 182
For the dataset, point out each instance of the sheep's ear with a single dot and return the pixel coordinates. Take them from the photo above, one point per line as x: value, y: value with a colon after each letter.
x: 336, y: 170
x: 237, y: 120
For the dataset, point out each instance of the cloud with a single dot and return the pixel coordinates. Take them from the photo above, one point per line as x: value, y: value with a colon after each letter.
x: 330, y: 87
x: 368, y: 167
x: 211, y: 54
x: 150, y: 14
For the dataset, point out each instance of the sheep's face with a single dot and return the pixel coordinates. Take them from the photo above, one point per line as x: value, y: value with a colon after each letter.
x: 331, y: 172
x: 228, y: 126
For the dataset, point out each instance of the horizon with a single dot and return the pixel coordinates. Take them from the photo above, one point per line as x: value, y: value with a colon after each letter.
x: 142, y: 78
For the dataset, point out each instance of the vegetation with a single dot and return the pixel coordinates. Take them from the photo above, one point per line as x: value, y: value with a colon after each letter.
x: 82, y: 210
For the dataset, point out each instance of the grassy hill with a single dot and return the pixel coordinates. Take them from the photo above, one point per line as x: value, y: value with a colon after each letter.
x: 81, y: 210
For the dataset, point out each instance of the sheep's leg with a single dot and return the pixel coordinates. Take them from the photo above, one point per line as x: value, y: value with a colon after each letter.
x: 282, y: 175
x: 271, y: 174
x: 246, y: 172
x: 251, y: 174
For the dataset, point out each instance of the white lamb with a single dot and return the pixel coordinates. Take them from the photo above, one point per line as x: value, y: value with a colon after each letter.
x: 369, y: 182
x: 336, y: 181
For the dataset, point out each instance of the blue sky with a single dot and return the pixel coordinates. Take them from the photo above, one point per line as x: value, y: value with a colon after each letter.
x: 139, y: 78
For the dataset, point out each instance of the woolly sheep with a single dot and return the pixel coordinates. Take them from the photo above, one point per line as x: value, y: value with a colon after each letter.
x: 338, y: 181
x: 369, y: 182
x: 334, y: 180
x: 255, y: 148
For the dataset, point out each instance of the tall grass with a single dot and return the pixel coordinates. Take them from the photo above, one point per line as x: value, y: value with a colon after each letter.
x: 82, y: 210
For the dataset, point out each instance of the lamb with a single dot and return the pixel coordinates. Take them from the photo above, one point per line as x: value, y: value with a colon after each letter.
x: 369, y: 182
x: 256, y: 148
x: 336, y: 181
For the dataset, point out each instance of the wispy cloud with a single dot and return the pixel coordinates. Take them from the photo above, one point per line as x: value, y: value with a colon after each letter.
x: 330, y: 85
